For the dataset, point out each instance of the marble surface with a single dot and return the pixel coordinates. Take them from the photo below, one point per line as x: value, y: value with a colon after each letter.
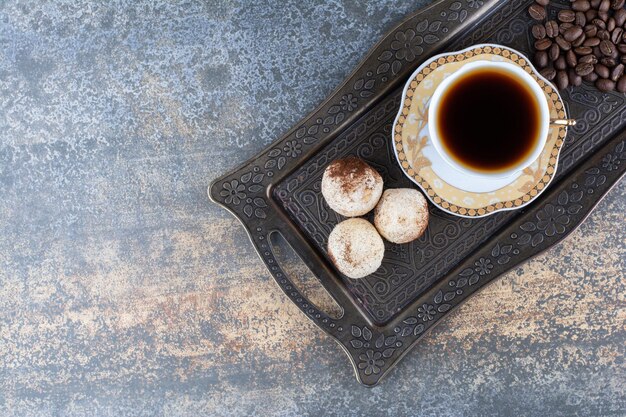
x: 123, y: 291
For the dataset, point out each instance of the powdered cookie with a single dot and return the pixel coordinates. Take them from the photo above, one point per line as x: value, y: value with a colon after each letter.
x: 401, y: 215
x: 351, y: 187
x: 356, y: 248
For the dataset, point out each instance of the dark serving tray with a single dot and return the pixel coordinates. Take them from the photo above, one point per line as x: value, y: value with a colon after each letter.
x: 384, y: 315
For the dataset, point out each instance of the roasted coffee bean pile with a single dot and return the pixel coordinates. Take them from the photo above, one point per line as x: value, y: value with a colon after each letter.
x: 587, y: 42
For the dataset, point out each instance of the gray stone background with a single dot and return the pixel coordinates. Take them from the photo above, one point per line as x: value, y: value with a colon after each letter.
x: 123, y: 291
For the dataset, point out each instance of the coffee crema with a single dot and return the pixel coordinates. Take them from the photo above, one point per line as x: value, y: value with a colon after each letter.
x: 488, y: 121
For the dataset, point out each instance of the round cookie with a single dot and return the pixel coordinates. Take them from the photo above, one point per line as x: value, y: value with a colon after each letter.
x: 356, y: 248
x: 351, y: 187
x: 401, y: 215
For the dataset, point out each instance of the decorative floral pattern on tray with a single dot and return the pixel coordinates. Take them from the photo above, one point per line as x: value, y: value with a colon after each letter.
x: 463, y: 254
x: 410, y: 135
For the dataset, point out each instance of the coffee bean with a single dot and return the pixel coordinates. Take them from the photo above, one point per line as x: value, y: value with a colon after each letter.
x: 541, y: 59
x: 590, y: 77
x: 608, y: 61
x: 604, y: 6
x: 562, y: 80
x: 574, y: 79
x: 543, y: 44
x: 607, y: 47
x: 591, y: 31
x: 548, y: 73
x: 581, y: 5
x: 599, y: 23
x: 587, y: 42
x: 560, y: 63
x: 578, y: 41
x: 588, y: 59
x: 554, y: 52
x: 572, y: 33
x: 605, y: 85
x: 564, y: 27
x: 621, y: 84
x: 570, y: 58
x: 617, y: 72
x: 620, y: 17
x: 610, y: 24
x: 591, y: 42
x: 552, y: 28
x: 617, y: 4
x: 538, y: 31
x: 602, y: 71
x: 616, y: 35
x: 584, y: 69
x: 591, y: 14
x: 566, y: 16
x: 537, y: 11
x: 583, y: 50
x: 563, y: 44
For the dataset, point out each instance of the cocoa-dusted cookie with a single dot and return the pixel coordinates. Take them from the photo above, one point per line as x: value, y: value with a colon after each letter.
x: 351, y: 187
x: 401, y: 215
x: 356, y: 248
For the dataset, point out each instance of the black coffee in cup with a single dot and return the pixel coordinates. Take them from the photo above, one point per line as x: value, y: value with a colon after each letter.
x: 488, y: 120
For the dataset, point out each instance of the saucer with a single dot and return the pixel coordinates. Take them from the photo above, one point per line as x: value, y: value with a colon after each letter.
x: 447, y: 188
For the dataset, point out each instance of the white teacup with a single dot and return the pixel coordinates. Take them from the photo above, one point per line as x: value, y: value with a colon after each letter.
x: 520, y: 75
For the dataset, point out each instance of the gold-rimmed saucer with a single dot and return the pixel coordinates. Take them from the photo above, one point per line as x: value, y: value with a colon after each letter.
x: 447, y: 188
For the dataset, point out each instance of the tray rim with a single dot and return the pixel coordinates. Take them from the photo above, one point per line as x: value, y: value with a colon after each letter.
x: 258, y: 227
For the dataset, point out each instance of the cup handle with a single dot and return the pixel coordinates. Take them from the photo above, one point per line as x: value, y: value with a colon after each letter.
x: 563, y: 122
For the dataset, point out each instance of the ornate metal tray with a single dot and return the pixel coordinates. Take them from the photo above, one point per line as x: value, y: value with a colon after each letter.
x: 386, y: 314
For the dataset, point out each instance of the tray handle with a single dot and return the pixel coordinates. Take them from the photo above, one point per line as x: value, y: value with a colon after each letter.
x: 334, y: 326
x: 260, y: 229
x: 331, y: 324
